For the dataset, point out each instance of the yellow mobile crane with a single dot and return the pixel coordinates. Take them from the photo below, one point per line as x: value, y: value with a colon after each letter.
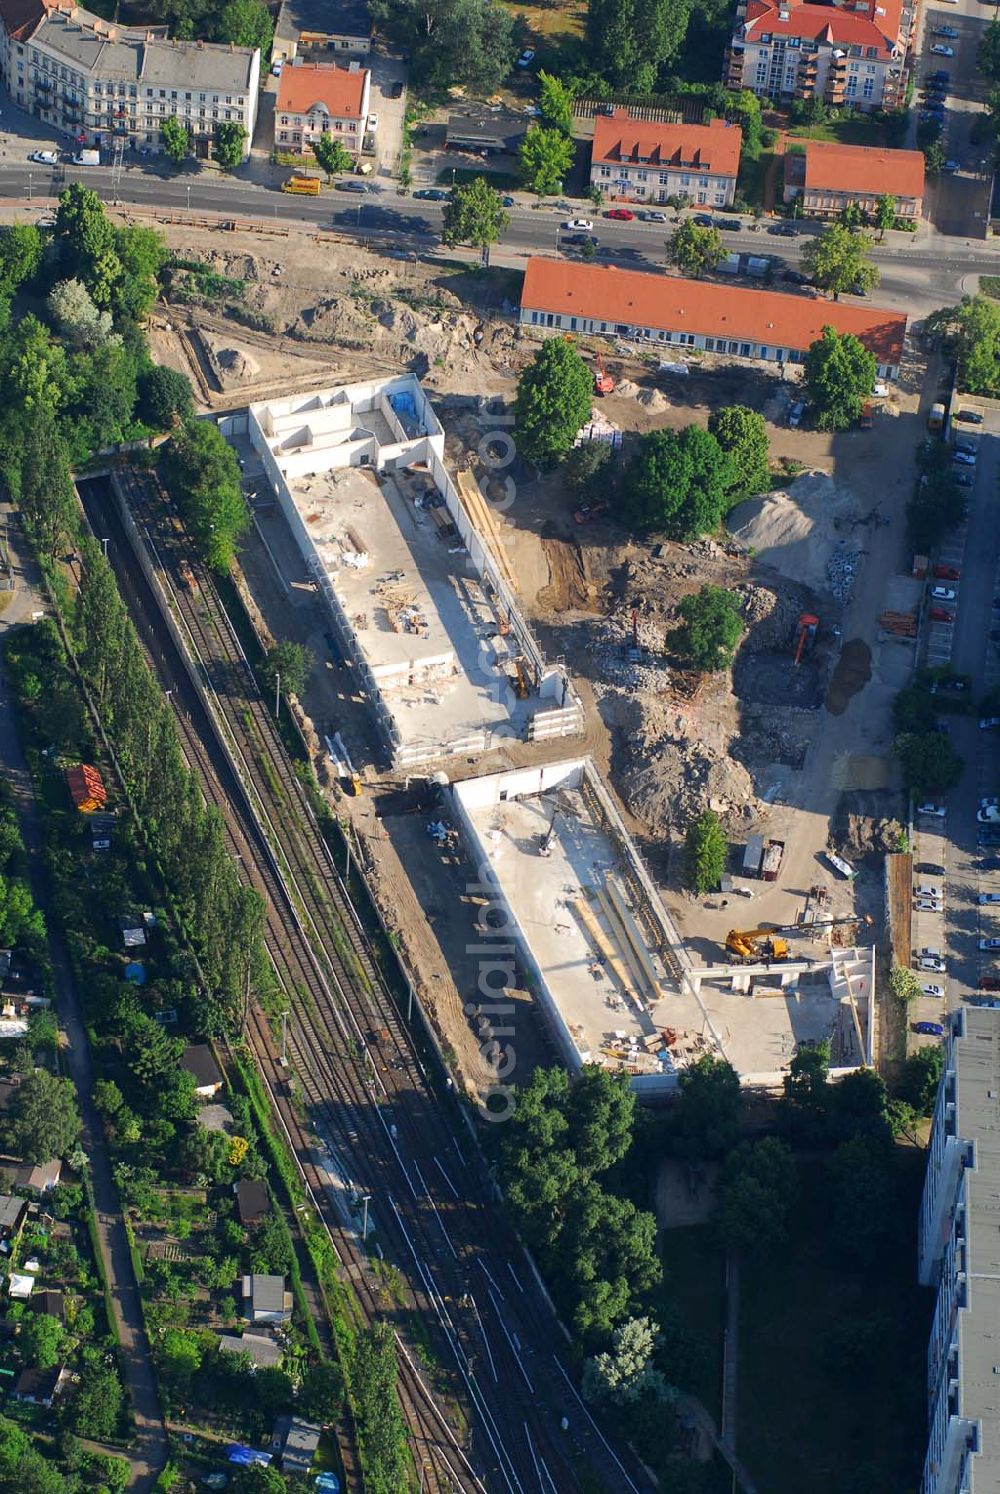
x: 762, y: 943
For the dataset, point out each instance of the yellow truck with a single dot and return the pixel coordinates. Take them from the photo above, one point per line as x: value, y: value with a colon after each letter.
x: 307, y: 186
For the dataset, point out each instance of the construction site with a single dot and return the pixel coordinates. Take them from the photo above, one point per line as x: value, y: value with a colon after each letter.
x: 418, y: 603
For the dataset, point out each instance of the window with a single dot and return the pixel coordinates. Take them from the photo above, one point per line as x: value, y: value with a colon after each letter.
x: 869, y: 88
x: 642, y: 176
x: 871, y: 51
x: 685, y: 181
x: 870, y: 69
x: 187, y: 98
x: 283, y: 135
x: 702, y: 198
x: 794, y: 41
x: 173, y: 93
x: 163, y: 93
x: 201, y: 98
x: 605, y: 171
x: 703, y: 181
x: 229, y: 113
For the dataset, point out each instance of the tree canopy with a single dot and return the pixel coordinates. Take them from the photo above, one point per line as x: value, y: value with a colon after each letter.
x: 755, y: 1191
x: 929, y: 762
x: 474, y: 214
x: 742, y: 434
x: 42, y: 1120
x: 555, y: 103
x: 708, y: 1114
x: 202, y: 472
x: 919, y: 1077
x: 331, y: 154
x: 973, y: 330
x: 840, y: 373
x: 838, y: 261
x: 694, y: 249
x: 464, y: 42
x: 230, y: 138
x: 711, y: 626
x: 678, y: 482
x: 705, y: 851
x: 175, y: 140
x: 544, y: 158
x: 246, y: 23
x: 289, y: 663
x: 628, y: 41
x: 553, y: 401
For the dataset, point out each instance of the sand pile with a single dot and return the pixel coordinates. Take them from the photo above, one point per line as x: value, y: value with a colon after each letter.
x: 797, y: 530
x: 653, y: 400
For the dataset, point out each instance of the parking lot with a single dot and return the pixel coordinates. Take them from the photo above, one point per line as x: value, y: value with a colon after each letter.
x: 964, y: 915
x: 958, y: 200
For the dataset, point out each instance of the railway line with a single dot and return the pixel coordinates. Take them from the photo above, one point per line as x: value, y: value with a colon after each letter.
x: 382, y: 1133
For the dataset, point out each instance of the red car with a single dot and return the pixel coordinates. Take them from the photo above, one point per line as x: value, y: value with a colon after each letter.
x: 947, y: 573
x: 939, y: 615
x: 990, y: 983
x: 622, y: 214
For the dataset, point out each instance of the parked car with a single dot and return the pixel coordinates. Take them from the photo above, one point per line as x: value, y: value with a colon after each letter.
x: 930, y: 989
x: 964, y: 479
x: 431, y: 194
x: 578, y: 240
x: 655, y: 217
x: 795, y: 277
x: 928, y: 890
x: 703, y: 220
x: 951, y: 167
x: 989, y: 863
x: 506, y: 200
x: 928, y: 1029
x: 940, y: 49
x: 527, y: 57
x: 989, y: 983
x: 928, y: 905
x: 970, y: 417
x: 964, y: 458
x: 931, y: 962
x: 353, y: 185
x: 621, y: 215
x: 939, y: 615
x: 988, y: 897
x: 943, y: 593
x: 948, y: 32
x: 989, y: 944
x: 727, y: 225
x: 44, y: 157
x: 796, y: 413
x: 971, y: 448
x: 990, y: 802
x: 989, y: 723
x: 784, y: 230
x: 989, y: 816
x: 930, y: 808
x: 583, y: 224
x: 941, y: 75
x: 929, y: 869
x: 947, y: 573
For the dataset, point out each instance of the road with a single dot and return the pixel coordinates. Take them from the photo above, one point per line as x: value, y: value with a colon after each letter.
x: 952, y: 843
x: 919, y: 272
x: 150, y: 1451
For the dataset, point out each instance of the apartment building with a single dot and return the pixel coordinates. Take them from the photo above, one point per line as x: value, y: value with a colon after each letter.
x: 677, y: 314
x: 959, y: 1254
x: 103, y: 83
x: 841, y: 53
x: 640, y: 161
x: 825, y: 177
x: 318, y: 99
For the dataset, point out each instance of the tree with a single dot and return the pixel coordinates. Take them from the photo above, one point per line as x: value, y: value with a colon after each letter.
x: 321, y: 1393
x: 20, y: 255
x: 246, y: 23
x: 175, y: 140
x: 40, y: 1340
x: 76, y: 316
x: 628, y: 41
x: 201, y: 469
x: 584, y: 467
x: 838, y: 261
x: 863, y: 1197
x: 710, y: 628
x: 42, y: 1121
x: 694, y: 250
x: 678, y: 482
x: 904, y: 985
x: 544, y: 158
x: 852, y: 216
x: 755, y: 1190
x: 20, y: 921
x: 607, y: 1259
x: 555, y: 103
x: 885, y: 214
x: 95, y: 1409
x: 288, y: 663
x: 257, y: 1480
x: 705, y: 852
x: 929, y: 762
x: 627, y: 1373
x: 163, y: 395
x: 332, y: 155
x: 600, y: 1111
x: 451, y: 42
x: 376, y: 1406
x: 230, y: 138
x: 708, y: 1113
x: 553, y: 401
x: 839, y: 374
x: 934, y: 158
x: 805, y: 1108
x: 85, y: 239
x: 973, y: 330
x: 142, y: 252
x: 474, y: 214
x: 180, y: 1356
x: 920, y: 1077
x: 989, y: 51
x: 742, y: 434
x: 858, y: 1105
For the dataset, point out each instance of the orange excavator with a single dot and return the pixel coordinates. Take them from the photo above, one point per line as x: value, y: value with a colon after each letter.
x: 805, y: 634
x: 603, y: 382
x: 763, y: 943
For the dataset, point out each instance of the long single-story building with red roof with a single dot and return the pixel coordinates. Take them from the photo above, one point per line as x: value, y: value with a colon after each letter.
x: 763, y: 325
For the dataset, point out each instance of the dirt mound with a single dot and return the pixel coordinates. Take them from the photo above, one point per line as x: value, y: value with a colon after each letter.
x: 852, y: 673
x: 653, y: 399
x: 796, y: 531
x: 863, y: 825
x: 627, y: 389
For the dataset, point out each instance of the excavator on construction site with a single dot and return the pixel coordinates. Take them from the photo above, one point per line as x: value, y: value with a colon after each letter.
x: 762, y: 943
x: 805, y: 635
x: 603, y: 382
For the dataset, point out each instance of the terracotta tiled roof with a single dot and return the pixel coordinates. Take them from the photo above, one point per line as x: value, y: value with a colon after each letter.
x: 863, y: 169
x: 666, y: 303
x: 337, y: 89
x: 21, y: 17
x: 877, y: 27
x: 713, y: 147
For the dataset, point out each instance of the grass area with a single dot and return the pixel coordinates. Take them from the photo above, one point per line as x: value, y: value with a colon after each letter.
x: 503, y: 181
x: 990, y: 286
x: 753, y: 174
x: 694, y: 1275
x: 553, y: 23
x: 799, y: 1409
x: 858, y: 129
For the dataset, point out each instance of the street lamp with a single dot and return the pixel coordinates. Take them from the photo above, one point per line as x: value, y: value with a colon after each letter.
x: 284, y: 1030
x: 366, y: 1200
x: 189, y: 197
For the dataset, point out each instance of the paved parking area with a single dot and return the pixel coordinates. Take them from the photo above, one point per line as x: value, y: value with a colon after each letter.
x: 958, y: 202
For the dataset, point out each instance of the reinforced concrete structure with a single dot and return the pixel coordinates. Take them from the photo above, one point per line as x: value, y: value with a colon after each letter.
x: 418, y: 600
x: 596, y: 948
x: 959, y: 1253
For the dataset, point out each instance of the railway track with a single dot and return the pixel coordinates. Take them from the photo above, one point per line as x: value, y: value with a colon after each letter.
x: 382, y: 1132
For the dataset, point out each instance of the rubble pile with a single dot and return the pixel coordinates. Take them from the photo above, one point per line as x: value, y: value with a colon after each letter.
x: 771, y: 615
x: 841, y: 570
x: 611, y: 644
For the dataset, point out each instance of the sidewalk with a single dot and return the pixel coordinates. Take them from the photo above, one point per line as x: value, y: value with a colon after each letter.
x: 150, y: 1450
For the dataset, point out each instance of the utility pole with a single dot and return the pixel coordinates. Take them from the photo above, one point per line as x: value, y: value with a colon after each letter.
x: 284, y: 1030
x: 277, y: 695
x: 104, y: 544
x: 366, y: 1200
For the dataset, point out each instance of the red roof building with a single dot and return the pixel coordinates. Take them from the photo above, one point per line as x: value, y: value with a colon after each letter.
x: 641, y: 161
x: 857, y: 55
x: 675, y: 314
x: 86, y: 788
x: 825, y: 177
x: 316, y: 99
